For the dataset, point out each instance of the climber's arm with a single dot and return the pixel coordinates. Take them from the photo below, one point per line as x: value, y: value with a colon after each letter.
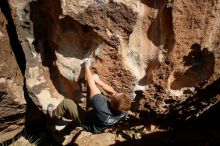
x: 91, y: 83
x: 105, y: 86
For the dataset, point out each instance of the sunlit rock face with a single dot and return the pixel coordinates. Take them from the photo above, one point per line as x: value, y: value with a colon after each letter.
x: 168, y: 49
x: 12, y: 102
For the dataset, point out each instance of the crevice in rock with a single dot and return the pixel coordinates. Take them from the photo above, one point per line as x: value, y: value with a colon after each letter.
x: 161, y: 29
x: 31, y: 108
x: 13, y: 36
x: 157, y: 4
x: 161, y: 33
x: 12, y: 119
x: 201, y: 64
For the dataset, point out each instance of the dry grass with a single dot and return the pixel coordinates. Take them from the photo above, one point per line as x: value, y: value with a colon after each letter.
x: 22, y: 140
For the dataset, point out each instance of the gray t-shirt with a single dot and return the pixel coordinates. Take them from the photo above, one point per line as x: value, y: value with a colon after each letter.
x: 101, y: 116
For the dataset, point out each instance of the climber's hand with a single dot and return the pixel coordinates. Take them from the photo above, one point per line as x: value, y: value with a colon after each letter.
x: 87, y: 62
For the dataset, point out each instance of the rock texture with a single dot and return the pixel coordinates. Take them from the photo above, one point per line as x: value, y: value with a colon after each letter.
x: 12, y: 102
x: 167, y: 49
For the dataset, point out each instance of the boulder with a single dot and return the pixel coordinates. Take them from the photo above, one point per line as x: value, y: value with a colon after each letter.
x: 12, y: 102
x: 168, y: 50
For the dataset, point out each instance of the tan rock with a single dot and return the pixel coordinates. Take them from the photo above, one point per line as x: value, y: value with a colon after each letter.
x: 12, y: 102
x: 170, y: 48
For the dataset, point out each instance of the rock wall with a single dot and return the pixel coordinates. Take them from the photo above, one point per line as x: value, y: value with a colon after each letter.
x: 167, y: 49
x: 12, y: 102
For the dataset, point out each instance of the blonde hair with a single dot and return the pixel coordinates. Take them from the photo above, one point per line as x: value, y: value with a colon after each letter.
x: 122, y: 102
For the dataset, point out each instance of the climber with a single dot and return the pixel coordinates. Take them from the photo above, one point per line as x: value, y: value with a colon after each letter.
x: 103, y: 113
